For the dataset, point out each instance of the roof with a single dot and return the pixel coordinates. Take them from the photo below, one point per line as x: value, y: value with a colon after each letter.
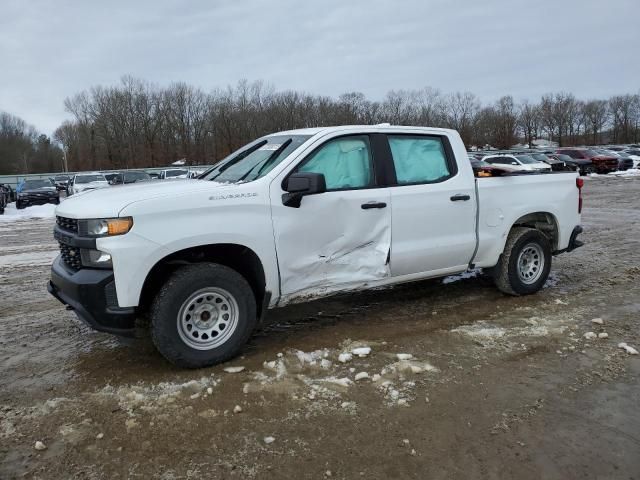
x: 337, y: 128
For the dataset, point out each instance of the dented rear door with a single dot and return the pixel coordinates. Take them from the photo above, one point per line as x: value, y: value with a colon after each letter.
x: 340, y: 239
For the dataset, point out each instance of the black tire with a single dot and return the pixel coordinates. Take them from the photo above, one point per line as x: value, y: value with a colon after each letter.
x: 56, y: 201
x: 19, y: 205
x: 506, y: 273
x: 176, y: 292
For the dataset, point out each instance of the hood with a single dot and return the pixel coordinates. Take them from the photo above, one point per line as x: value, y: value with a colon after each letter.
x: 109, y: 202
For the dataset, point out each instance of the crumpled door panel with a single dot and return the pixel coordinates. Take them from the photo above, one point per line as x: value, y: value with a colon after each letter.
x: 330, y: 243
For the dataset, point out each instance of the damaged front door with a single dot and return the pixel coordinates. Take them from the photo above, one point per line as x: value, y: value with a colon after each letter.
x: 339, y: 239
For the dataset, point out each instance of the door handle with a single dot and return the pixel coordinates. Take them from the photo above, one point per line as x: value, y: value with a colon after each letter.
x: 460, y: 198
x: 368, y: 205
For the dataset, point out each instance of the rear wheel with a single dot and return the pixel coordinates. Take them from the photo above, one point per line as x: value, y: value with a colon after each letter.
x: 525, y: 263
x: 19, y: 205
x: 203, y: 315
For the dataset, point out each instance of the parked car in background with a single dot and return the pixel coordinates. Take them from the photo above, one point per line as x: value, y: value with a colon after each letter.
x: 154, y: 175
x: 37, y: 192
x: 86, y: 181
x: 601, y: 163
x: 484, y: 169
x: 624, y: 161
x: 556, y: 165
x: 130, y: 176
x: 582, y: 166
x: 61, y: 182
x: 634, y: 154
x: 4, y: 197
x: 517, y: 162
x: 174, y: 173
x: 110, y: 176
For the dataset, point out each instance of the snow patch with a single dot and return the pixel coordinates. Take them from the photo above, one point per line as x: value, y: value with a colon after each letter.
x: 461, y: 276
x: 150, y: 397
x: 481, y: 330
x: 28, y: 259
x: 630, y: 350
x: 12, y: 214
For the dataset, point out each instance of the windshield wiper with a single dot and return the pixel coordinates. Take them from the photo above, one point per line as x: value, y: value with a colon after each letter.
x: 232, y: 162
x: 266, y: 161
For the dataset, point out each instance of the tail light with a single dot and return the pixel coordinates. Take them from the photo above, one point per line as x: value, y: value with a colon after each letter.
x: 579, y: 184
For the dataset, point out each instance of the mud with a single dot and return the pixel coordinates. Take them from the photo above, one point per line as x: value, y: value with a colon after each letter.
x: 496, y: 387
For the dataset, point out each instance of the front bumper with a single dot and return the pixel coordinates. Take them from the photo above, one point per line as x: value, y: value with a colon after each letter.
x: 91, y: 294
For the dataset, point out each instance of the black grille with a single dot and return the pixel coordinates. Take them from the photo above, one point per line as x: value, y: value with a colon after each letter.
x: 70, y: 224
x: 71, y: 256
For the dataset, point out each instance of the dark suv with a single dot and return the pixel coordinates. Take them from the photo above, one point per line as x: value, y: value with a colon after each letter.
x: 37, y: 192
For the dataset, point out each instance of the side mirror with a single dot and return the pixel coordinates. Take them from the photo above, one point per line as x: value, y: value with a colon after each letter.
x: 299, y: 185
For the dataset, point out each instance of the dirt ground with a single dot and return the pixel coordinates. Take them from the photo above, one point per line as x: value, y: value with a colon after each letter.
x: 498, y: 387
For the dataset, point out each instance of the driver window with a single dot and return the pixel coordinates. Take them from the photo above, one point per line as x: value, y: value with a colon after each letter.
x: 345, y: 163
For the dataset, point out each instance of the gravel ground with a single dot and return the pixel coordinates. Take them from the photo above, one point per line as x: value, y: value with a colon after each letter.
x: 495, y: 386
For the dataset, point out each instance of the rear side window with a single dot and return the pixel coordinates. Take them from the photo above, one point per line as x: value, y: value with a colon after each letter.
x: 345, y: 163
x: 419, y: 159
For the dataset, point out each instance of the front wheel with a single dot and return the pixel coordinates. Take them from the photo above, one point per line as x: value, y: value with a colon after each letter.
x: 203, y: 315
x: 525, y: 264
x: 19, y: 205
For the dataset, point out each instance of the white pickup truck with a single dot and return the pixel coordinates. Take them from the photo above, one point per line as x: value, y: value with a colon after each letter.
x: 297, y: 215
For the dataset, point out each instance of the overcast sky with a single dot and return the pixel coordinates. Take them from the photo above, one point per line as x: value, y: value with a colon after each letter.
x: 50, y: 50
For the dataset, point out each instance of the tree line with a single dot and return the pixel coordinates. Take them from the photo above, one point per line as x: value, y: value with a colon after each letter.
x: 23, y: 149
x: 137, y: 124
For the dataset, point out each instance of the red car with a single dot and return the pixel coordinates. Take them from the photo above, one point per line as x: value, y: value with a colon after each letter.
x: 601, y: 163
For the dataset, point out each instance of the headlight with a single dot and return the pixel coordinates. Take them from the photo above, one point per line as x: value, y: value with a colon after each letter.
x: 95, y: 258
x: 106, y: 227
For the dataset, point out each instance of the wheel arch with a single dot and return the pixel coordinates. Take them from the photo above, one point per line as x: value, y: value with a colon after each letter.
x: 240, y: 258
x: 546, y: 222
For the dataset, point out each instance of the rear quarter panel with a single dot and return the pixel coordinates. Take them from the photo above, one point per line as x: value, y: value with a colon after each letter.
x: 503, y: 200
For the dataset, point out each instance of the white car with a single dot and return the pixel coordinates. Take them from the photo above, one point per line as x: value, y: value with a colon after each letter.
x: 82, y: 182
x: 519, y: 162
x: 299, y: 215
x: 173, y: 174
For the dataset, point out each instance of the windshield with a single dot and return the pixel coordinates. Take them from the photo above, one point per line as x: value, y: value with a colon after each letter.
x: 90, y: 178
x: 60, y: 178
x: 175, y: 173
x: 30, y: 184
x: 526, y: 159
x: 256, y: 159
x: 591, y: 153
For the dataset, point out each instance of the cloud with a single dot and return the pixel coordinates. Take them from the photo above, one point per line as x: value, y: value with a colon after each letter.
x: 51, y: 50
